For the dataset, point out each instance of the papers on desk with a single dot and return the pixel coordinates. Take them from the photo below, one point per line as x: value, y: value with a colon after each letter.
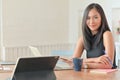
x: 102, y: 71
x: 7, y: 63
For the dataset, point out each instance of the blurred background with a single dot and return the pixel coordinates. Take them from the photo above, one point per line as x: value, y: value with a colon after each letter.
x: 52, y: 26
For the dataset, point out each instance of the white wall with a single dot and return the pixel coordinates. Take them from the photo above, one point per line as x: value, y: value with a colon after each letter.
x: 116, y: 18
x: 0, y: 22
x: 45, y: 21
x: 115, y: 3
x: 1, y: 29
x: 34, y: 22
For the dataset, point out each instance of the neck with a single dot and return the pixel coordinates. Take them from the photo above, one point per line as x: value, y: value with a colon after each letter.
x: 94, y: 32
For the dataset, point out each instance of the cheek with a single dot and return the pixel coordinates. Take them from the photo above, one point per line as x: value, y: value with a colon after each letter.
x: 87, y: 22
x: 99, y: 23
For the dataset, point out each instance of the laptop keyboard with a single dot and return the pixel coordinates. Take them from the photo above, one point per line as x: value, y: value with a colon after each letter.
x: 62, y: 66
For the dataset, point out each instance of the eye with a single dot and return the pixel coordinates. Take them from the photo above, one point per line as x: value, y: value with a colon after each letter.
x: 96, y: 17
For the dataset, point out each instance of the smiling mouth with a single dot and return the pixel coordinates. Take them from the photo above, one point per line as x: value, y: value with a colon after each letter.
x: 91, y: 25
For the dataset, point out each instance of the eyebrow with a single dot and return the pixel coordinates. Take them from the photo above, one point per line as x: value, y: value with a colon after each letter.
x: 93, y: 15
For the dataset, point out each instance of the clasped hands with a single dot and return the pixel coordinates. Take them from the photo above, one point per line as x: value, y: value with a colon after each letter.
x: 104, y: 59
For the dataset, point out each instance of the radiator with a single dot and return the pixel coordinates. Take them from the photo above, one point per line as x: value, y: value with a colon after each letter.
x: 12, y: 53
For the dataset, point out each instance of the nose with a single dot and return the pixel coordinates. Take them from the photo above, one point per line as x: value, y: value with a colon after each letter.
x: 91, y: 21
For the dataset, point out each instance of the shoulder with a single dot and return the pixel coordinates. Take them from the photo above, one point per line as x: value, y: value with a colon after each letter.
x: 107, y: 34
x: 80, y: 40
x: 108, y: 38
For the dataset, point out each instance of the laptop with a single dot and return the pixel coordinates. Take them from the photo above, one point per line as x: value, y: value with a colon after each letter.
x: 35, y: 68
x: 60, y: 64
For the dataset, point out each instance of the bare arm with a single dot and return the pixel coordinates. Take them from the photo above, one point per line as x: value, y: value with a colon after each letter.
x: 103, y: 61
x: 77, y: 53
x: 109, y: 45
x: 98, y: 62
x: 79, y: 48
x: 98, y: 66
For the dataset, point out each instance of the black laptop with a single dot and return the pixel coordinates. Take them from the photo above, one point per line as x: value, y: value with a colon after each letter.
x: 35, y: 68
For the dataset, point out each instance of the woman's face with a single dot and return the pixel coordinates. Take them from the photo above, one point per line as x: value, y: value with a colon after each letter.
x: 93, y: 20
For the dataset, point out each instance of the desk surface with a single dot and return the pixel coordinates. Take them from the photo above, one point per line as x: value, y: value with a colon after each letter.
x: 73, y: 75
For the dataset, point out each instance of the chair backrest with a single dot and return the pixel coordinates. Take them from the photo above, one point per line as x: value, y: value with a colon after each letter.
x: 35, y: 51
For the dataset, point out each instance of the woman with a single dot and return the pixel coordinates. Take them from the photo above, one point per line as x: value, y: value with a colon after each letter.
x: 97, y: 40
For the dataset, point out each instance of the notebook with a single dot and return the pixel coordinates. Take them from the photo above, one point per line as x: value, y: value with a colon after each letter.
x: 38, y: 65
x: 102, y: 71
x: 60, y: 64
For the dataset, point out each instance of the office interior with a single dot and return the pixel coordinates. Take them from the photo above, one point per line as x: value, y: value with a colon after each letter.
x: 52, y: 26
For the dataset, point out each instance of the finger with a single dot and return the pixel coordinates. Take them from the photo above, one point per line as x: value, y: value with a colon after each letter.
x: 71, y: 64
x: 64, y: 59
x: 102, y: 60
x: 105, y: 61
x: 109, y: 61
x: 67, y: 61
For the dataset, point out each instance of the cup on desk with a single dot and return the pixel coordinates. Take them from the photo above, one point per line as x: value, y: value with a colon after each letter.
x: 77, y: 64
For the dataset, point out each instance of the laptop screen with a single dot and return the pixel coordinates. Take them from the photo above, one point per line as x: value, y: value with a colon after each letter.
x: 37, y: 65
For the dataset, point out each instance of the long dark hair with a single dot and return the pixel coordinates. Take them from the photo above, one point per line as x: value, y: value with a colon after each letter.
x: 86, y: 31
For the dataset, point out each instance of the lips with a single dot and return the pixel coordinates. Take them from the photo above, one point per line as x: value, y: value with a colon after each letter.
x: 92, y: 26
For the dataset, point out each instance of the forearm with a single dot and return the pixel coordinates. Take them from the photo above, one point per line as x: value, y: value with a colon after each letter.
x: 89, y: 60
x: 96, y: 66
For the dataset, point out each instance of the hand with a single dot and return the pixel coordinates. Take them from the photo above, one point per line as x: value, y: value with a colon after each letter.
x: 104, y: 60
x: 68, y: 61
